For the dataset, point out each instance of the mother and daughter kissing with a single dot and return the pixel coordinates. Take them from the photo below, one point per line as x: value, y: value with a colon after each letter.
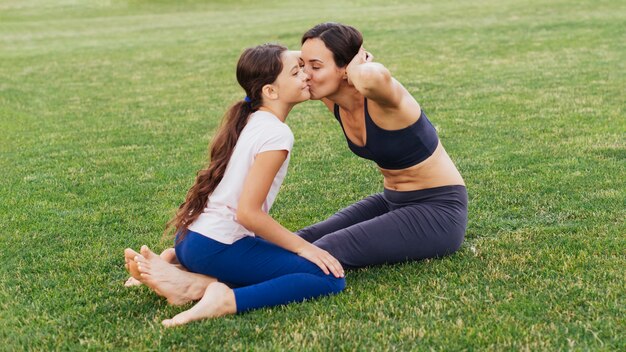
x: 231, y: 256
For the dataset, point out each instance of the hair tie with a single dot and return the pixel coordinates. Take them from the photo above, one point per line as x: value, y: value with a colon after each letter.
x: 247, y: 99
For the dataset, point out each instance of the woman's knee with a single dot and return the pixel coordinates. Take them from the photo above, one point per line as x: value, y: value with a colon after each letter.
x: 453, y: 243
x: 459, y: 241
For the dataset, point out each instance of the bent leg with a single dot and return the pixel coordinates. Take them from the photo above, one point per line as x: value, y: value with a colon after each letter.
x: 267, y: 274
x: 410, y: 233
x: 365, y: 209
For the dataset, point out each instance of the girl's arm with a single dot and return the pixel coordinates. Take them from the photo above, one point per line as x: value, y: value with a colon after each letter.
x: 374, y: 81
x: 250, y: 214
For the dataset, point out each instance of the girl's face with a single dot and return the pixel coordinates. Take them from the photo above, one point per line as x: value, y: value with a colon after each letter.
x: 292, y: 83
x: 319, y: 63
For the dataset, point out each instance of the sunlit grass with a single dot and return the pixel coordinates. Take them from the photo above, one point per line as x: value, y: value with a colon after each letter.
x: 107, y: 108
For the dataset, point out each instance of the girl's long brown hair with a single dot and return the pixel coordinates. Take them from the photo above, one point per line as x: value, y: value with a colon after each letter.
x: 256, y: 67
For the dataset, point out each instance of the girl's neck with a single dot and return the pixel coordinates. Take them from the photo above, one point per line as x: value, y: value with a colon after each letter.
x: 277, y: 109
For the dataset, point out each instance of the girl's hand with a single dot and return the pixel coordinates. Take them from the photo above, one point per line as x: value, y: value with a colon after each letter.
x: 323, y: 259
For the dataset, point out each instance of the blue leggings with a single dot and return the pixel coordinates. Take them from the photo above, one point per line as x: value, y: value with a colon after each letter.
x: 265, y: 274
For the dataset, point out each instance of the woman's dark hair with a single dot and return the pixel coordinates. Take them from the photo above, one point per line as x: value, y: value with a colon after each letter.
x: 256, y: 67
x: 342, y: 40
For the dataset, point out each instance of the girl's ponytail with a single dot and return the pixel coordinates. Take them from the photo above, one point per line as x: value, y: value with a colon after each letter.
x: 256, y: 67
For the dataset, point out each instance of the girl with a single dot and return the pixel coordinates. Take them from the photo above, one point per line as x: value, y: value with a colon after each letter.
x: 422, y: 212
x: 228, y: 206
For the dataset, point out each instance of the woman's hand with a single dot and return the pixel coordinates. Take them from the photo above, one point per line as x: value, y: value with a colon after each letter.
x: 323, y: 259
x: 368, y: 56
x: 360, y: 58
x: 374, y: 81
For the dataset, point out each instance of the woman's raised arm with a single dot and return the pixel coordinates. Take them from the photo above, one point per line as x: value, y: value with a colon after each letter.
x: 374, y: 80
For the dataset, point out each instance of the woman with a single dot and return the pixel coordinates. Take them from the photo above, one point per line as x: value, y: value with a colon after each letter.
x: 422, y: 212
x: 229, y: 204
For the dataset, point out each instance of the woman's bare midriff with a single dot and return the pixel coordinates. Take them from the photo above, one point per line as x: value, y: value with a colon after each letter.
x: 436, y: 171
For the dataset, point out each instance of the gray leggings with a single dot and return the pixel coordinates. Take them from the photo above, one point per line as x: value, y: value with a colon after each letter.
x: 394, y: 226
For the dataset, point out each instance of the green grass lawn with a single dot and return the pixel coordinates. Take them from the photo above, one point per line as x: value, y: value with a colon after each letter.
x: 107, y: 108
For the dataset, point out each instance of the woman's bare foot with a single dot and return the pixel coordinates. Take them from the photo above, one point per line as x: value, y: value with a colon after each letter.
x: 177, y: 286
x: 218, y: 300
x: 169, y: 255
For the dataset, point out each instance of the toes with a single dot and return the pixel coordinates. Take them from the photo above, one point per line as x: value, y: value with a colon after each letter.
x: 129, y: 254
x: 178, y: 319
x: 140, y: 259
x: 144, y: 268
x: 132, y: 282
x: 146, y: 252
x: 149, y: 281
x: 168, y: 323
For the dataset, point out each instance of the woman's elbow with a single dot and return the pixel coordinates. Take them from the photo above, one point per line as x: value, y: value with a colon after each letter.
x: 375, y: 77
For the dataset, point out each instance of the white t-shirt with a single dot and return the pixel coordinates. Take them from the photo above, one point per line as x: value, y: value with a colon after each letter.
x: 263, y: 132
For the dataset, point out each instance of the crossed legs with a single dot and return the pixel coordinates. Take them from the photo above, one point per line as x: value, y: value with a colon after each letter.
x: 164, y: 275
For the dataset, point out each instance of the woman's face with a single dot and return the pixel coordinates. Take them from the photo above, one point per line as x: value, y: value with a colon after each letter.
x: 292, y: 82
x: 319, y: 63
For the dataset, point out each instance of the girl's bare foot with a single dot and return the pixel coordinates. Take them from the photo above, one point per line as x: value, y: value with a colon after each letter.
x: 132, y: 282
x: 169, y: 255
x: 218, y: 300
x: 177, y: 286
x: 131, y: 266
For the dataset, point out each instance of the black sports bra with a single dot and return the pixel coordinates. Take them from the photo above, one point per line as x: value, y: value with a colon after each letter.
x: 396, y: 149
